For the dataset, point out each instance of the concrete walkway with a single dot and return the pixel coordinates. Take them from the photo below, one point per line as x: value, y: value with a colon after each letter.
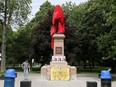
x: 37, y: 81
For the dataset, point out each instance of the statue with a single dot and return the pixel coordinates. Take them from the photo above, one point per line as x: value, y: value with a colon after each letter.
x: 57, y: 23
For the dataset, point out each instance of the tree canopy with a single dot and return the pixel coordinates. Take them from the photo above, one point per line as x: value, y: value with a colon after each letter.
x: 12, y: 13
x: 90, y: 34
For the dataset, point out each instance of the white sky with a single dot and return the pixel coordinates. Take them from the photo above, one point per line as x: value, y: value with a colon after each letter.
x: 37, y: 3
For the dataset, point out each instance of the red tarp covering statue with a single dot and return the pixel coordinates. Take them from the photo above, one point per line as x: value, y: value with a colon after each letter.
x: 57, y: 23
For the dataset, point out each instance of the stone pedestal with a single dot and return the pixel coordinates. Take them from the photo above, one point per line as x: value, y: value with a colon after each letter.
x: 58, y: 44
x: 58, y: 68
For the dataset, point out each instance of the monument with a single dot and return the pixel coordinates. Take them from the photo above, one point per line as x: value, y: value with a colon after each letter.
x: 58, y: 68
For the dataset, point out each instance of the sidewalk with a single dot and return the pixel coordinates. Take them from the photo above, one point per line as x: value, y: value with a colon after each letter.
x: 37, y: 81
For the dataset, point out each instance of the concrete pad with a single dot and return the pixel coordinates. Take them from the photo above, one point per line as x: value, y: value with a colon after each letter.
x: 37, y: 81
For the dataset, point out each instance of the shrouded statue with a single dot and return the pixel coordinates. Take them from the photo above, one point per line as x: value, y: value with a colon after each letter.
x: 58, y: 68
x: 57, y: 23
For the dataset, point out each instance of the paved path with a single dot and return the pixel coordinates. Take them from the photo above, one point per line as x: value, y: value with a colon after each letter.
x: 37, y: 81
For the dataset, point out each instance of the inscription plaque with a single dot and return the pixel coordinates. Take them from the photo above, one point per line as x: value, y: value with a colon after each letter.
x: 58, y: 50
x: 60, y: 74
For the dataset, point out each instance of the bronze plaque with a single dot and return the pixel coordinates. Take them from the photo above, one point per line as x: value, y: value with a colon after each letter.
x: 58, y: 50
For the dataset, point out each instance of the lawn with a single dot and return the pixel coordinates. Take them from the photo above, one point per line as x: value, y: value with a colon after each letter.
x: 96, y: 69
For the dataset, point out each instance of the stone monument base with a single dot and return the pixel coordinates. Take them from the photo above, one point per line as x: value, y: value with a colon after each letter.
x: 58, y: 70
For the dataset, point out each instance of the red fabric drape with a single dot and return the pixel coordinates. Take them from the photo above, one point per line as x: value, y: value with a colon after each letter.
x: 57, y: 23
x: 52, y: 43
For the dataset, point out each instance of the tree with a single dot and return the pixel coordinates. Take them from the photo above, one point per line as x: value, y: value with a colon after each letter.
x: 21, y: 45
x: 12, y: 12
x: 40, y: 45
x: 10, y: 47
x: 0, y: 36
x: 70, y: 40
x: 106, y: 41
x: 91, y: 20
x: 95, y: 23
x: 76, y: 18
x: 38, y: 28
x: 107, y: 46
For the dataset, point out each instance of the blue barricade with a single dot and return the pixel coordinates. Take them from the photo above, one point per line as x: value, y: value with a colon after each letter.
x: 9, y: 78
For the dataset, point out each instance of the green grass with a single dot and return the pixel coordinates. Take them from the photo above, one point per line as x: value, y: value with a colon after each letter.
x: 80, y: 69
x: 19, y: 69
x: 1, y: 73
x: 113, y: 78
x: 34, y: 72
x: 96, y: 69
x: 35, y: 69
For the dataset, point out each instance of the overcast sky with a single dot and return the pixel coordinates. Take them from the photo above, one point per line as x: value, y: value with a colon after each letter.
x: 37, y: 3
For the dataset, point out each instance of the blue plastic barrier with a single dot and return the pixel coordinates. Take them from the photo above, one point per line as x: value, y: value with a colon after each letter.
x: 9, y: 78
x: 105, y: 74
x: 105, y: 78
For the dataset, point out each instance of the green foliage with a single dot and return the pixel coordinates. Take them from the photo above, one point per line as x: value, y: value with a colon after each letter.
x: 113, y: 78
x: 107, y: 45
x: 106, y: 41
x: 91, y: 21
x: 67, y: 9
x: 90, y: 34
x: 21, y: 46
x: 96, y: 69
x: 27, y: 35
x: 39, y: 16
x: 70, y: 33
x: 40, y: 46
x: 9, y: 49
x: 14, y: 12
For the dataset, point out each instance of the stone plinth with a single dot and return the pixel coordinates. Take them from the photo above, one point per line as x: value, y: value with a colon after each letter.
x: 58, y: 44
x: 46, y: 70
x: 73, y: 72
x: 58, y: 68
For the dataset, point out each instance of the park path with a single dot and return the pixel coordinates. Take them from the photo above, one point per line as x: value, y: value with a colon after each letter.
x: 37, y: 81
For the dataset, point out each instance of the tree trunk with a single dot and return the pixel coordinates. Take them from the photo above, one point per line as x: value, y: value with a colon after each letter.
x: 3, y: 48
x: 93, y: 65
x: 31, y: 66
x: 90, y: 65
x: 84, y: 64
